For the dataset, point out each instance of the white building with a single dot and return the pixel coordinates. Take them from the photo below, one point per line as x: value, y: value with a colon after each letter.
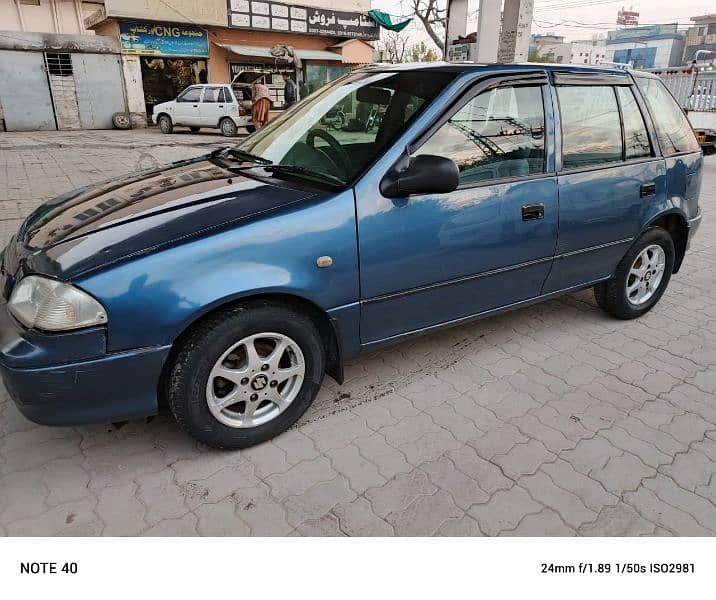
x: 646, y: 47
x: 46, y: 16
x: 588, y: 52
x: 554, y: 48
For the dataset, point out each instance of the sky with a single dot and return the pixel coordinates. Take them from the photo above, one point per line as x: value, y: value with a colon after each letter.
x: 578, y: 19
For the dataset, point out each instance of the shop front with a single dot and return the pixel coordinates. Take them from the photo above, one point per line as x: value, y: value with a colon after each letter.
x: 161, y: 57
x: 171, y: 57
x: 314, y: 45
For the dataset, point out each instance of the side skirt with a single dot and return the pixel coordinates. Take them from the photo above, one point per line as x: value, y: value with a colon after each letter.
x: 481, y: 315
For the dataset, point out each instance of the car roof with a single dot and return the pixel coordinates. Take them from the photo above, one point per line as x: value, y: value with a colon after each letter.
x: 470, y: 67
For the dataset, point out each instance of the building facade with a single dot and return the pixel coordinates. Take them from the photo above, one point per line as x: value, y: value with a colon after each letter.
x: 46, y: 16
x: 702, y: 36
x: 555, y: 49
x: 646, y: 47
x: 167, y: 46
x: 55, y: 74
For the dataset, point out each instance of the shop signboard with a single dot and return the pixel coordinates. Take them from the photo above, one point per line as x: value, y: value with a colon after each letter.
x: 291, y: 18
x: 163, y: 39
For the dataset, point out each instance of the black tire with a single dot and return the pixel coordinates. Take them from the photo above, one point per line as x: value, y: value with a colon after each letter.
x: 228, y: 127
x: 612, y: 295
x: 188, y: 375
x: 250, y: 129
x: 194, y: 129
x: 122, y: 120
x: 165, y: 124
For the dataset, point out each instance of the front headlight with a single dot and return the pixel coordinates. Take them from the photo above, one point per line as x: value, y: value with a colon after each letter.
x: 42, y: 303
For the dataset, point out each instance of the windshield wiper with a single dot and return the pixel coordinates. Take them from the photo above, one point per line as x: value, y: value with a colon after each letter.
x: 310, y: 173
x: 247, y: 156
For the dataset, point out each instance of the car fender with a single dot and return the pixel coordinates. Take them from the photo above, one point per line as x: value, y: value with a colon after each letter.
x: 151, y: 299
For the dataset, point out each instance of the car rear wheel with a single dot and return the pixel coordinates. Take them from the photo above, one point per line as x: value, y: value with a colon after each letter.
x: 165, y: 124
x: 641, y: 277
x: 228, y: 127
x: 246, y: 374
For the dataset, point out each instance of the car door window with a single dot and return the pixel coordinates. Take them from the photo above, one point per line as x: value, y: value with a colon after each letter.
x: 213, y: 94
x: 673, y: 130
x: 190, y: 95
x: 636, y: 139
x: 591, y: 128
x: 498, y: 134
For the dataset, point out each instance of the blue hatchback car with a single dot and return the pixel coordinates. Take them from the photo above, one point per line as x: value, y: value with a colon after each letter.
x: 229, y: 284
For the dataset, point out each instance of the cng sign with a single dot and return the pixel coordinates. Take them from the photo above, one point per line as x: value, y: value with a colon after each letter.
x: 161, y: 39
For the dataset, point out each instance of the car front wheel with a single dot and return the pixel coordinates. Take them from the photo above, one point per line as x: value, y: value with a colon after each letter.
x: 640, y: 278
x: 246, y: 374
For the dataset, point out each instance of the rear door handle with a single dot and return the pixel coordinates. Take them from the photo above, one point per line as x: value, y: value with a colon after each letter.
x: 648, y: 189
x: 531, y: 212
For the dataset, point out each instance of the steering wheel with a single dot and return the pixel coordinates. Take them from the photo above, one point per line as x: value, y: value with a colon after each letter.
x: 341, y: 156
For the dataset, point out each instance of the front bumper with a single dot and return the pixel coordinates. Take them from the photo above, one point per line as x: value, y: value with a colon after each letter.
x: 76, y: 389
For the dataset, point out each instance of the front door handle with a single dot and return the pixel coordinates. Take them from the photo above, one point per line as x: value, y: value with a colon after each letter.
x: 531, y: 212
x: 648, y: 189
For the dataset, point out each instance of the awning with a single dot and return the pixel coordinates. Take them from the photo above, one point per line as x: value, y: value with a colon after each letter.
x: 265, y: 52
x: 317, y: 55
x: 262, y: 51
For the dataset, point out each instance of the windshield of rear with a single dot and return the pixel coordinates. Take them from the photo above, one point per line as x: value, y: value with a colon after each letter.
x: 342, y: 128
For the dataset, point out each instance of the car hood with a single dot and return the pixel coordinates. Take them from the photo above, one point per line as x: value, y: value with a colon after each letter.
x: 92, y: 226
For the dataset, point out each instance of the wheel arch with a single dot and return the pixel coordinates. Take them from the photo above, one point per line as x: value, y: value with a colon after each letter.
x: 327, y: 327
x: 675, y: 223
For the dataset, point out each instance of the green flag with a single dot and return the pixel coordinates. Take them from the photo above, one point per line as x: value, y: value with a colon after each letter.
x: 383, y: 19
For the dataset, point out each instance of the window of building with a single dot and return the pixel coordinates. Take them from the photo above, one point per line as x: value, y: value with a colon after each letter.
x: 672, y: 127
x: 591, y: 129
x: 711, y: 30
x: 636, y: 139
x: 192, y: 94
x: 497, y: 134
x: 59, y: 63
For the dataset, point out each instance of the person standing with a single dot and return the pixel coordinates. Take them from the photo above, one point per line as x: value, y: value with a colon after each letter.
x: 289, y: 90
x: 261, y: 103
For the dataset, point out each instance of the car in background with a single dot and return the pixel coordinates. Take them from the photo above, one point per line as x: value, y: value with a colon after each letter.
x: 204, y: 105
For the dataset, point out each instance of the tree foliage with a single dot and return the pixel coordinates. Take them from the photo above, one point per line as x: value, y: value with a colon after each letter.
x: 433, y: 15
x: 423, y: 53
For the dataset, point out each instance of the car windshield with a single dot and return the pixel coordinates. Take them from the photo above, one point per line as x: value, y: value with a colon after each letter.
x: 342, y: 128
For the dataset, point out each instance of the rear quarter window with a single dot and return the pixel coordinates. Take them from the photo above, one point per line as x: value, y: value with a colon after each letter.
x: 673, y: 129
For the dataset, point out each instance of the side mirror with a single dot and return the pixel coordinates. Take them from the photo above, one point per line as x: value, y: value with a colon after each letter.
x: 424, y: 174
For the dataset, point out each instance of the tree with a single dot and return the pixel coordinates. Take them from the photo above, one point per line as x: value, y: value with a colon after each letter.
x: 535, y: 56
x: 423, y: 53
x: 395, y: 46
x: 433, y: 18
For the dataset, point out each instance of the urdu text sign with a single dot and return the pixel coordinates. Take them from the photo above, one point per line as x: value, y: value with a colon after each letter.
x: 163, y: 39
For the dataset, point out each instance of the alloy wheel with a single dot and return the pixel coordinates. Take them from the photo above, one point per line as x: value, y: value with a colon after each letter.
x: 255, y: 380
x: 645, y: 274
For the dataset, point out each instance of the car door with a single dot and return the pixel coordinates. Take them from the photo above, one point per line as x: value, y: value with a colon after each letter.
x: 608, y: 176
x: 186, y: 109
x: 213, y: 105
x: 431, y: 259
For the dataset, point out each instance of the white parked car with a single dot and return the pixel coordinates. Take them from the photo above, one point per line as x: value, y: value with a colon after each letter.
x: 204, y: 105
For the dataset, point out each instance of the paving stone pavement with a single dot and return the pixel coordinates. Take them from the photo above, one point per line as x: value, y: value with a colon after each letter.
x: 551, y: 420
